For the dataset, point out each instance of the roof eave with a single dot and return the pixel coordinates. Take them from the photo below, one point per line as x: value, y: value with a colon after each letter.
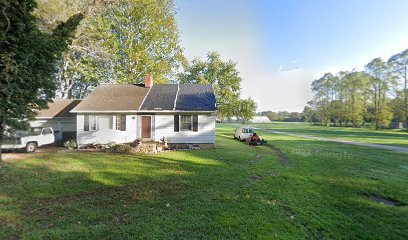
x: 141, y: 111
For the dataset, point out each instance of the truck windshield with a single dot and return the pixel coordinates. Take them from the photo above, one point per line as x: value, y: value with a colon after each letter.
x: 250, y: 130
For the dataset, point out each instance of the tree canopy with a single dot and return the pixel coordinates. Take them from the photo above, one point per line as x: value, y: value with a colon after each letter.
x: 225, y: 78
x: 27, y: 62
x: 119, y: 41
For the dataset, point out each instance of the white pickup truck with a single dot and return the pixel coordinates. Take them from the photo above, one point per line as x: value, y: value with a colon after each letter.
x: 29, y: 141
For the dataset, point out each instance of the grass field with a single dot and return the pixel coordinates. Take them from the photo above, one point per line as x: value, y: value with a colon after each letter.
x: 366, y: 135
x: 294, y: 188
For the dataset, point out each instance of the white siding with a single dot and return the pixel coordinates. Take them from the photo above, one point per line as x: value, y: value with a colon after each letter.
x: 108, y: 135
x: 164, y: 127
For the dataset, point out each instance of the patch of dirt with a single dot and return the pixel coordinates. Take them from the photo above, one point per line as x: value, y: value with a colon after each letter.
x: 3, y: 197
x: 20, y: 154
x: 385, y: 201
x: 7, y: 221
x: 282, y: 158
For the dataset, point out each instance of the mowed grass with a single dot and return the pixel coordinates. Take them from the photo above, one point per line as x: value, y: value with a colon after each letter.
x: 366, y: 135
x: 293, y: 189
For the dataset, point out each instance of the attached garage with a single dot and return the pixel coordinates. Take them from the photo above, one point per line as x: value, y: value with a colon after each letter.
x: 58, y: 116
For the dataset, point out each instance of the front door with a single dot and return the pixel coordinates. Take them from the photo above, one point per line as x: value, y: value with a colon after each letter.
x: 146, y: 126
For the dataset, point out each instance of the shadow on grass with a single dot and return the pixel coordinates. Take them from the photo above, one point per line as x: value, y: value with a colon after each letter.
x: 56, y: 194
x: 233, y: 191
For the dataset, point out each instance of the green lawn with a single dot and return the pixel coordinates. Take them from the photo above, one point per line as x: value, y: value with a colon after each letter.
x: 307, y: 189
x: 366, y: 135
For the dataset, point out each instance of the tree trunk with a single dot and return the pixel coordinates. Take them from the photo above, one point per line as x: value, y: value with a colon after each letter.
x: 69, y: 92
x: 1, y: 141
x: 376, y: 108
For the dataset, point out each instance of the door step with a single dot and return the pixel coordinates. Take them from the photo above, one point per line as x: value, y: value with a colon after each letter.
x: 149, y: 147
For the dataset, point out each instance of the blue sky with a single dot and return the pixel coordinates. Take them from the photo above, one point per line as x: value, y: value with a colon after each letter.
x: 282, y: 46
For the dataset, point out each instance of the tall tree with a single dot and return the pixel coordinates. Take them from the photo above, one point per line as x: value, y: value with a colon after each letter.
x: 85, y: 64
x: 354, y: 87
x: 246, y: 109
x: 118, y: 41
x: 142, y: 38
x: 308, y: 114
x: 224, y: 77
x: 27, y: 62
x: 399, y: 67
x: 398, y: 107
x: 381, y: 82
x: 323, y: 89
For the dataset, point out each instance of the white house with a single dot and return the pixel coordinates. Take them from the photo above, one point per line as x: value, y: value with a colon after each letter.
x: 58, y: 116
x: 181, y: 113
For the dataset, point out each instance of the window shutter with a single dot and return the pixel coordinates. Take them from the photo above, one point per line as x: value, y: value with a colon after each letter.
x: 195, y: 123
x: 122, y: 122
x: 111, y: 123
x: 176, y: 123
x: 86, y: 123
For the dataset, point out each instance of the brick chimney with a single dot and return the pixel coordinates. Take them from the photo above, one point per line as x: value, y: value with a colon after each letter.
x: 148, y: 81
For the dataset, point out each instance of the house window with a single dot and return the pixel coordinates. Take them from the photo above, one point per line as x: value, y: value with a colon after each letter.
x: 117, y: 122
x: 93, y: 121
x: 104, y: 122
x: 185, y: 123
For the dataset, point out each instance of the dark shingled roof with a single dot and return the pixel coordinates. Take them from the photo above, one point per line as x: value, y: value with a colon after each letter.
x: 195, y: 97
x: 116, y: 97
x: 113, y: 97
x: 59, y: 109
x: 161, y: 96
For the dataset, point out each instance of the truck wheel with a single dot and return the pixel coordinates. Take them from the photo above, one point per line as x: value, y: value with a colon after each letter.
x: 31, y: 147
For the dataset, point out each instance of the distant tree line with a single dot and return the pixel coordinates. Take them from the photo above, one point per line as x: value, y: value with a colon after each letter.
x: 377, y: 95
x: 283, y: 116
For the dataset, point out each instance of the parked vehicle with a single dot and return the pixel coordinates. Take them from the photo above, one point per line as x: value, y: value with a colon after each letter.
x: 29, y: 141
x: 242, y: 133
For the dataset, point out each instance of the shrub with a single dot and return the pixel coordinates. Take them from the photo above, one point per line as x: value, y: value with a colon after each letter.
x: 120, y: 148
x: 71, y: 144
x: 111, y: 144
x: 135, y: 143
